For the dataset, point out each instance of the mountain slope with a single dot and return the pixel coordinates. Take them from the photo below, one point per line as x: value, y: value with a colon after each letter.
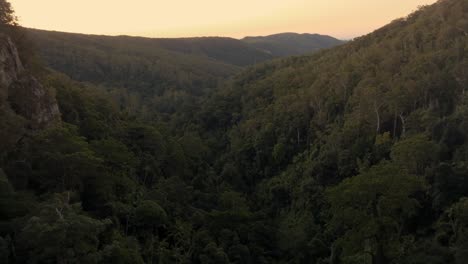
x: 351, y: 155
x: 288, y: 44
x: 373, y: 85
x: 357, y: 152
x: 135, y: 63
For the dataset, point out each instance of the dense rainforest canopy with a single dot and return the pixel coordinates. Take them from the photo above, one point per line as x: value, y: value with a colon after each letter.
x: 355, y: 154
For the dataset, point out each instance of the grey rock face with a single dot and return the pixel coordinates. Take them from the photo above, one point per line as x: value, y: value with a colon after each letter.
x: 10, y: 64
x: 32, y: 101
x: 24, y: 93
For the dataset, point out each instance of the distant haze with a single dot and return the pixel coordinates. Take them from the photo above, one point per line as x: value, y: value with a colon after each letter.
x: 188, y: 18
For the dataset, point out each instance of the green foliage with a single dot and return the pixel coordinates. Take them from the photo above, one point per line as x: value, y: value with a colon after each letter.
x: 86, y: 107
x: 149, y: 213
x: 123, y: 251
x: 115, y: 155
x: 372, y: 211
x: 11, y: 129
x: 356, y: 154
x: 60, y: 159
x: 60, y: 232
x: 212, y: 254
x: 145, y: 76
x: 414, y: 153
x: 452, y: 230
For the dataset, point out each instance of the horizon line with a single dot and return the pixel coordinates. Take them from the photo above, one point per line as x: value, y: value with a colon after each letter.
x: 188, y: 37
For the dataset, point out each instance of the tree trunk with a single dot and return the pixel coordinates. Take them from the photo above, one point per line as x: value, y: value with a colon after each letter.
x: 403, y: 125
x: 376, y: 109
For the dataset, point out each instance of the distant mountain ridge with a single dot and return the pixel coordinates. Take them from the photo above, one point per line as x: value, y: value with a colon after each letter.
x: 288, y: 44
x: 243, y: 52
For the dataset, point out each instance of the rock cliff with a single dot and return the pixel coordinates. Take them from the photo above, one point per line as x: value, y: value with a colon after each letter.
x: 22, y: 92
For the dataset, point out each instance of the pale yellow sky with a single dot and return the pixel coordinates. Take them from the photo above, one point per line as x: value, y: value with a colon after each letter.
x: 233, y: 18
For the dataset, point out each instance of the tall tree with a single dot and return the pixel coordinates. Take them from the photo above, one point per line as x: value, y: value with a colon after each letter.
x: 370, y: 213
x: 7, y: 15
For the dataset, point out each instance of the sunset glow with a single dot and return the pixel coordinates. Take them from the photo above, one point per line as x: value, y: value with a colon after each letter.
x: 186, y: 18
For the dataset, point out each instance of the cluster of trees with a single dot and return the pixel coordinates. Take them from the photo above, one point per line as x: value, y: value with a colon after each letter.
x: 356, y: 153
x: 102, y: 187
x: 352, y: 155
x: 163, y: 79
x: 143, y: 75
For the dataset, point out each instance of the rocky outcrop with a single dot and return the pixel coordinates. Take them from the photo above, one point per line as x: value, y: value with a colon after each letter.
x: 22, y: 92
x: 10, y: 64
x: 31, y: 100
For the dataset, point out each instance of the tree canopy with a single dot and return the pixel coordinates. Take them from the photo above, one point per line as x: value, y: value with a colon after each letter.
x: 356, y: 154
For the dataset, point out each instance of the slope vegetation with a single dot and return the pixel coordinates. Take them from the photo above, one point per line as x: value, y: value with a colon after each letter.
x: 351, y: 155
x: 357, y: 152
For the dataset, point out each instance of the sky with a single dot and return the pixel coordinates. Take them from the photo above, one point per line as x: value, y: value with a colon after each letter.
x: 343, y: 19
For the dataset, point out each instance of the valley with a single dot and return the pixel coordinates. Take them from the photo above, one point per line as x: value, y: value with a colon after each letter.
x: 289, y: 148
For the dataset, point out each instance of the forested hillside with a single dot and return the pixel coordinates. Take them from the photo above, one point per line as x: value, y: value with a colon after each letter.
x: 352, y: 155
x: 357, y: 154
x: 289, y: 44
x: 163, y: 76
